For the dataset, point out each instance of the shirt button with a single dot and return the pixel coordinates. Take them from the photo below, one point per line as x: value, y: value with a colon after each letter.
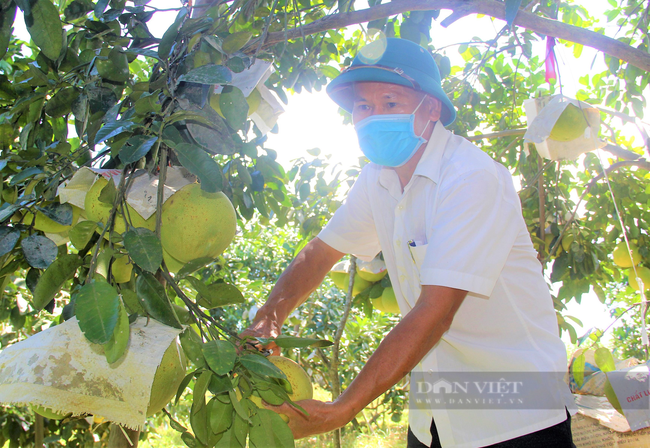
x: 398, y: 243
x: 402, y: 278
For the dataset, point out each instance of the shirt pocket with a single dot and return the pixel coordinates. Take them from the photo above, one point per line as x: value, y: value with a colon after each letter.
x: 418, y: 253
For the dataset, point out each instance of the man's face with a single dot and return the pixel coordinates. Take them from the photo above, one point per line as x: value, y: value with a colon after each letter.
x: 380, y: 98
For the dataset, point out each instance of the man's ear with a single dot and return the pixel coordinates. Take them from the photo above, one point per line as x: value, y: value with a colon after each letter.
x: 434, y: 108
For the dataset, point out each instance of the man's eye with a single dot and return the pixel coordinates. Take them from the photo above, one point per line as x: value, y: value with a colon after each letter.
x: 391, y: 105
x: 362, y: 107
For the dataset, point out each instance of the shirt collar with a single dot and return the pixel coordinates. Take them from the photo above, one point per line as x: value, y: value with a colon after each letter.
x: 428, y: 166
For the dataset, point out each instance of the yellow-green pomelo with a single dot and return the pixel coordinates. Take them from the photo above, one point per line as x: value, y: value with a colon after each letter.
x: 253, y: 99
x: 643, y: 273
x: 342, y: 280
x: 197, y: 224
x: 168, y: 377
x: 47, y: 412
x: 99, y: 211
x: 45, y: 224
x: 570, y: 125
x: 622, y: 256
x: 121, y: 269
x: 567, y: 240
x: 371, y: 277
x: 173, y: 265
x: 301, y: 387
x: 387, y: 302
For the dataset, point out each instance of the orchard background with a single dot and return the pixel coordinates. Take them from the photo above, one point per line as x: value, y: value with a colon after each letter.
x: 110, y: 94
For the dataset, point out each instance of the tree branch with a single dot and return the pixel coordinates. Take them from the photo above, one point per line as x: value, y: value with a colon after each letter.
x: 492, y: 8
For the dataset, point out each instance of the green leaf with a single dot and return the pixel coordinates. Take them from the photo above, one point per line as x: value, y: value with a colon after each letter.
x: 181, y: 388
x: 208, y: 74
x: 239, y: 409
x: 216, y: 138
x: 25, y: 174
x: 136, y: 148
x: 219, y: 415
x: 154, y: 300
x: 61, y: 103
x: 220, y: 356
x: 7, y: 18
x: 193, y: 265
x: 81, y: 233
x: 234, y: 107
x: 8, y: 239
x: 193, y: 347
x: 60, y: 213
x: 169, y: 37
x: 131, y: 302
x: 270, y: 431
x: 262, y: 366
x: 45, y: 27
x: 117, y: 345
x: 7, y: 210
x: 216, y: 294
x: 52, y: 280
x: 112, y: 129
x: 96, y: 308
x: 512, y: 8
x: 39, y: 251
x: 287, y: 341
x: 199, y: 163
x: 236, y: 41
x: 578, y: 369
x: 198, y: 415
x: 144, y: 248
x: 604, y: 360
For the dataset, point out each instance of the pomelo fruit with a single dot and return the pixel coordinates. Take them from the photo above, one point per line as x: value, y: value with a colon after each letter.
x: 622, y: 256
x: 168, y: 377
x: 197, y: 224
x: 121, y: 269
x: 570, y: 125
x: 567, y: 240
x: 173, y: 265
x: 643, y: 273
x: 342, y: 280
x: 301, y: 387
x: 99, y: 211
x: 370, y: 276
x: 387, y: 302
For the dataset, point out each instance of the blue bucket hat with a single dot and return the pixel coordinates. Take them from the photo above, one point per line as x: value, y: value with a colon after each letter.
x: 395, y: 61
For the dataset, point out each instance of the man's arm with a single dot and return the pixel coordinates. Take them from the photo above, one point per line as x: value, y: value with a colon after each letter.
x: 400, y: 351
x: 294, y: 286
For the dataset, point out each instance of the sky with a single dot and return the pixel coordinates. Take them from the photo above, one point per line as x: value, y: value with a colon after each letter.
x: 312, y: 120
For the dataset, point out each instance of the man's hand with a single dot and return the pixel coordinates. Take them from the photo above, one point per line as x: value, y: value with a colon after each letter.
x: 323, y: 417
x: 263, y: 328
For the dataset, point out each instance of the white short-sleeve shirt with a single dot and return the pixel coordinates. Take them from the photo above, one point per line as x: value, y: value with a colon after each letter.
x: 458, y: 223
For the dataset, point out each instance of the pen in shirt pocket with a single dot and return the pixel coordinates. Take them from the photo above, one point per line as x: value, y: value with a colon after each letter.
x: 411, y: 243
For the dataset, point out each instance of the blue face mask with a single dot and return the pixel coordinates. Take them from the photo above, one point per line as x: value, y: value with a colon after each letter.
x: 390, y: 139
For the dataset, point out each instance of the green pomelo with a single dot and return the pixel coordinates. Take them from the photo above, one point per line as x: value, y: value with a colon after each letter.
x: 622, y: 256
x: 301, y: 387
x: 47, y: 225
x: 99, y: 211
x: 197, y: 224
x: 567, y: 240
x: 168, y: 377
x: 122, y: 269
x: 369, y: 276
x: 570, y: 125
x: 643, y: 273
x: 173, y: 265
x: 115, y: 68
x: 342, y: 280
x: 47, y: 412
x: 387, y: 302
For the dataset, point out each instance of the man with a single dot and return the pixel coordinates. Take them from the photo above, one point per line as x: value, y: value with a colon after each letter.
x: 449, y: 224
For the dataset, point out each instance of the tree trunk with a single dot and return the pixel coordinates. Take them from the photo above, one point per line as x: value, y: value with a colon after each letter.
x: 118, y: 437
